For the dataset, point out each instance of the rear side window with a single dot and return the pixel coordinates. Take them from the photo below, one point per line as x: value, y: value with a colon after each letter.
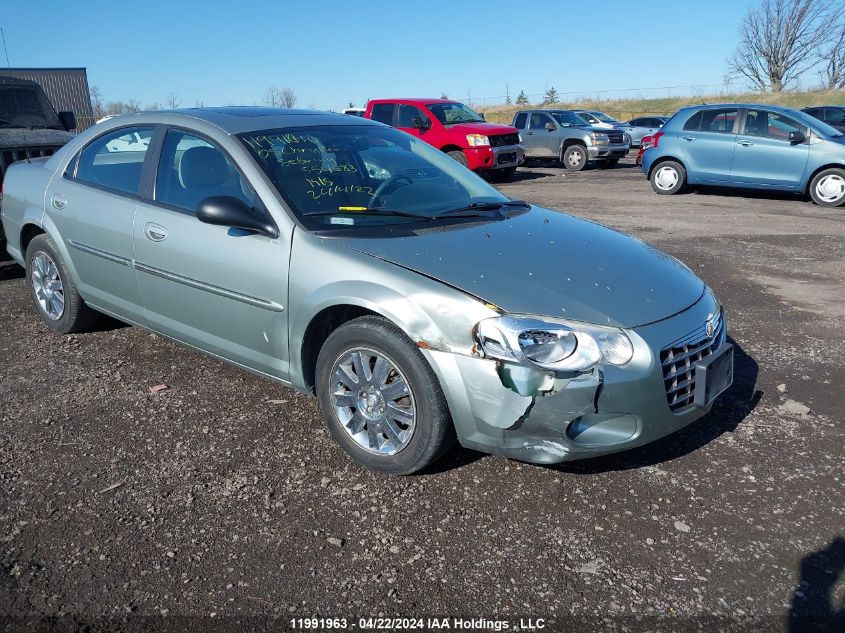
x: 383, y: 113
x: 519, y: 121
x: 721, y: 121
x: 191, y: 169
x: 693, y: 123
x: 115, y: 160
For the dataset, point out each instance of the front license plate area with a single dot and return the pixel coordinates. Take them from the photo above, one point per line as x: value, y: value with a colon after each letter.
x: 714, y: 375
x: 507, y: 158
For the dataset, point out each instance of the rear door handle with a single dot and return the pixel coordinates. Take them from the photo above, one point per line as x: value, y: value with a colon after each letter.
x: 58, y: 201
x: 155, y: 232
x: 688, y: 138
x: 745, y: 143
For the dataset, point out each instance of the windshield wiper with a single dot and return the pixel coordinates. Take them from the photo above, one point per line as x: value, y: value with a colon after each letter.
x: 371, y: 211
x: 476, y: 209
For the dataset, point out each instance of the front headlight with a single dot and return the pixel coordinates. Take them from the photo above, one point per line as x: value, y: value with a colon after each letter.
x: 477, y: 140
x: 552, y: 344
x: 599, y: 138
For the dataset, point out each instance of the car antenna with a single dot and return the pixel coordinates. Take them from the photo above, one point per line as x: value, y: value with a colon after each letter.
x: 698, y: 94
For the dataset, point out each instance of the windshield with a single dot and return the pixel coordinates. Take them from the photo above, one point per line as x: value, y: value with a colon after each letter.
x: 26, y: 106
x: 588, y: 118
x: 449, y: 113
x: 567, y: 119
x: 604, y: 118
x: 816, y: 124
x: 351, y: 176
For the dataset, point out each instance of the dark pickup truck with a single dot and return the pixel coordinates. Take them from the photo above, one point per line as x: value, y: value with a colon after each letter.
x: 30, y: 128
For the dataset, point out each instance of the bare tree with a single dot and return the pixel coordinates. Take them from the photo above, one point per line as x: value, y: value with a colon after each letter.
x: 272, y: 97
x: 780, y: 40
x: 832, y: 59
x: 97, y: 106
x: 289, y: 97
x: 173, y: 101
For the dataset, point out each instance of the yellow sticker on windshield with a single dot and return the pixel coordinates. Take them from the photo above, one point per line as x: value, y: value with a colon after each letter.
x: 353, y: 209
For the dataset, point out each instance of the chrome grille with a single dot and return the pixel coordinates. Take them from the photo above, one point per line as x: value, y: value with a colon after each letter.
x: 9, y: 156
x: 678, y: 361
x: 616, y: 138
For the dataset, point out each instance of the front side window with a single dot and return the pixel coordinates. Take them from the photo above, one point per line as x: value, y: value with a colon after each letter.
x: 348, y: 177
x: 383, y: 113
x: 407, y: 114
x: 191, y: 169
x: 539, y: 120
x: 451, y: 113
x: 773, y: 125
x: 115, y: 160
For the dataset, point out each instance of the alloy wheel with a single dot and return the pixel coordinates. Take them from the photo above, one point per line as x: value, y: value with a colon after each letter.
x: 373, y: 401
x: 47, y: 285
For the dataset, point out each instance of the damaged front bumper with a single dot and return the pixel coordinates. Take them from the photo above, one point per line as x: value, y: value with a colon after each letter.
x: 541, y: 417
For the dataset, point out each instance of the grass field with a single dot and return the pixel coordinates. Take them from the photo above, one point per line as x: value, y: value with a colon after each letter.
x: 624, y: 109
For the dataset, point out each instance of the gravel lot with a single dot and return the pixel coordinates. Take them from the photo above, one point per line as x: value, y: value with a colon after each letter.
x: 221, y: 502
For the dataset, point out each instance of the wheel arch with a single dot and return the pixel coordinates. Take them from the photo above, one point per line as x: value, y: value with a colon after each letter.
x: 28, y: 233
x: 817, y: 171
x: 451, y: 148
x: 663, y: 159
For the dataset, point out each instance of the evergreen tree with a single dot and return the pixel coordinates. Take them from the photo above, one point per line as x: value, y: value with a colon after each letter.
x: 522, y: 100
x: 551, y: 96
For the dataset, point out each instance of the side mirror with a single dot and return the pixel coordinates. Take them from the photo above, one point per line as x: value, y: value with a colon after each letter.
x: 421, y: 123
x: 796, y: 138
x: 232, y: 212
x: 68, y: 120
x: 551, y: 127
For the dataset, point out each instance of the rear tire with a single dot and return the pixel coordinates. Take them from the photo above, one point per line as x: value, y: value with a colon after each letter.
x: 827, y: 189
x: 358, y: 412
x: 52, y: 290
x: 668, y: 178
x: 458, y: 156
x: 574, y: 157
x: 609, y: 164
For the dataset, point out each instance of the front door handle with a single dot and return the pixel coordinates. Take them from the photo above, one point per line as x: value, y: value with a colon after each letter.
x: 688, y: 138
x: 745, y: 143
x: 530, y: 133
x: 155, y: 232
x: 58, y: 201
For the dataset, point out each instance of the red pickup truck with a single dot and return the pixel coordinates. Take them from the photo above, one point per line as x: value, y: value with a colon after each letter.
x: 454, y: 128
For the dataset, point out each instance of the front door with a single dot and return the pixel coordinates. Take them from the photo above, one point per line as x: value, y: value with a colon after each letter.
x: 407, y: 117
x: 222, y: 290
x: 540, y: 140
x: 764, y: 154
x: 708, y: 141
x: 93, y: 206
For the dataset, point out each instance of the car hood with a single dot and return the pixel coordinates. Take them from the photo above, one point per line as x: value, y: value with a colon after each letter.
x: 547, y: 263
x: 24, y: 137
x: 481, y: 128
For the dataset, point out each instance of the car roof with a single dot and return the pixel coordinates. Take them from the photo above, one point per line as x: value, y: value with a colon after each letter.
x: 416, y: 100
x: 239, y: 119
x: 710, y: 106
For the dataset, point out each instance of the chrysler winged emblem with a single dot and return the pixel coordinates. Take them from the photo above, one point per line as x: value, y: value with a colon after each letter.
x: 710, y: 326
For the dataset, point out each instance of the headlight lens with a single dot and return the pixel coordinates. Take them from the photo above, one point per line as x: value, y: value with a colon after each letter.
x: 477, y: 140
x: 599, y: 138
x: 555, y: 345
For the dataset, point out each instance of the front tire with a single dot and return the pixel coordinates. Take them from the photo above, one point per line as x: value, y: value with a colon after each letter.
x: 458, y: 156
x: 827, y: 188
x: 52, y: 290
x: 668, y: 178
x: 574, y: 157
x: 380, y: 398
x: 609, y: 164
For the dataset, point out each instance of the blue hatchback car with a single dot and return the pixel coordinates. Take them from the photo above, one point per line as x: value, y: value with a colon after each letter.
x: 753, y: 146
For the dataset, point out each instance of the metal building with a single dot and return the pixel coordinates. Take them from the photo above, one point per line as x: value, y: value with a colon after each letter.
x: 67, y: 89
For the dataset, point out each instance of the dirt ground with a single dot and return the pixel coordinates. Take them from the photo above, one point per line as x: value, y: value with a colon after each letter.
x: 220, y: 503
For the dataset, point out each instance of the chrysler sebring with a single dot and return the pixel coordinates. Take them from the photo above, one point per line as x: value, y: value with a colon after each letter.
x: 347, y: 259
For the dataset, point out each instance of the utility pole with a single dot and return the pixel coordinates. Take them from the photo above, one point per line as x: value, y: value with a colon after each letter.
x: 5, y: 50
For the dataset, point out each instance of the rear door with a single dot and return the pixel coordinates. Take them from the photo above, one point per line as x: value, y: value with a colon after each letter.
x: 93, y: 206
x: 764, y: 154
x: 220, y: 289
x: 835, y: 117
x: 708, y: 140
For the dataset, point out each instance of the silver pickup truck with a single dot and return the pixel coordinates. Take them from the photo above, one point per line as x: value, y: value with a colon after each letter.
x: 562, y: 134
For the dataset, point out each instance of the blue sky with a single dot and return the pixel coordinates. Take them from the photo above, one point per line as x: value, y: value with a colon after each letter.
x: 332, y: 52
